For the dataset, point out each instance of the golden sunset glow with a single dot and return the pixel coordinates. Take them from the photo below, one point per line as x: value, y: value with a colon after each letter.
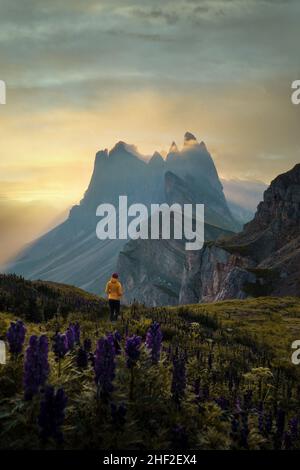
x: 87, y: 74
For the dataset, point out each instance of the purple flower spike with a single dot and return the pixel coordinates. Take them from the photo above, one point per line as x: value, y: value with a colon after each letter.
x: 16, y: 337
x: 36, y: 366
x: 60, y: 345
x: 154, y: 341
x: 70, y: 335
x: 132, y: 349
x: 52, y: 414
x: 105, y: 366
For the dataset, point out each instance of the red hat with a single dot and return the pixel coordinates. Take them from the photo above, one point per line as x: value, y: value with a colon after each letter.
x: 115, y: 275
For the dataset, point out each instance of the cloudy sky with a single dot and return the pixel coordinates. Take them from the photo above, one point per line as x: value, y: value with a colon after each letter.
x: 83, y: 74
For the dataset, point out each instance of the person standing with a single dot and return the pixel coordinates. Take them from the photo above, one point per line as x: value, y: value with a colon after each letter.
x: 114, y: 291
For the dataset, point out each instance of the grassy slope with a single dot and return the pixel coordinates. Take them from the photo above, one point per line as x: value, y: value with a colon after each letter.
x: 272, y: 321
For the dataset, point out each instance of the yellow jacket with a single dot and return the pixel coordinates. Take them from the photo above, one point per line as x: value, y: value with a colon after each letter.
x: 114, y: 289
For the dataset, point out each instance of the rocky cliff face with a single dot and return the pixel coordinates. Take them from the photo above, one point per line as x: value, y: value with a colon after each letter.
x: 263, y: 259
x: 152, y: 270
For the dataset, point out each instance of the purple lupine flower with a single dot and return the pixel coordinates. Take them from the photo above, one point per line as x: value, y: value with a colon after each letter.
x: 87, y: 345
x: 52, y: 414
x: 16, y: 337
x: 70, y: 335
x: 105, y: 366
x: 82, y: 358
x: 118, y: 414
x: 293, y: 428
x: 179, y: 438
x: 132, y: 350
x: 154, y: 341
x: 60, y: 345
x: 179, y: 379
x: 36, y: 366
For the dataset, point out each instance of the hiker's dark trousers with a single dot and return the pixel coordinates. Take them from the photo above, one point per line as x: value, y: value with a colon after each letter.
x: 114, y: 306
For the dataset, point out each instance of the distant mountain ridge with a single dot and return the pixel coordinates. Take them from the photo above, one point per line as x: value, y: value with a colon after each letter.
x: 71, y: 252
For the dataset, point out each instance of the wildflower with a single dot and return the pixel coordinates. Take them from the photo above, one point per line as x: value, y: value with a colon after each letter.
x: 118, y: 414
x: 179, y: 379
x: 52, y: 414
x: 132, y: 350
x: 293, y: 428
x: 153, y: 341
x: 60, y: 345
x: 36, y: 366
x: 70, y: 335
x: 105, y: 366
x: 82, y: 358
x: 16, y: 337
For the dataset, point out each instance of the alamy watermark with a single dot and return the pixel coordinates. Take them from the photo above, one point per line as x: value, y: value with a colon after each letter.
x: 296, y: 93
x: 296, y: 354
x: 164, y: 222
x: 2, y: 353
x: 2, y: 92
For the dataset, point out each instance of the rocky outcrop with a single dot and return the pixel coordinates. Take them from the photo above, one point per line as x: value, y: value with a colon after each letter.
x: 264, y: 259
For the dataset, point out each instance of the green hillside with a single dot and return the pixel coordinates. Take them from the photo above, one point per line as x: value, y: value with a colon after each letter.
x: 38, y: 301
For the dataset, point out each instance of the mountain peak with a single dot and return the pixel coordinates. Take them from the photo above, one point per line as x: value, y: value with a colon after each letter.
x: 156, y: 159
x: 173, y: 148
x: 101, y: 155
x: 122, y: 147
x: 203, y: 146
x: 189, y: 138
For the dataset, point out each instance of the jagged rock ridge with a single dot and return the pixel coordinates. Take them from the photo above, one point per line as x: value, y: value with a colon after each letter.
x: 71, y: 252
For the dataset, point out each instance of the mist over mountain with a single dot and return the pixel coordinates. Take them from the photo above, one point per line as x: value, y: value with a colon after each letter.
x: 71, y: 252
